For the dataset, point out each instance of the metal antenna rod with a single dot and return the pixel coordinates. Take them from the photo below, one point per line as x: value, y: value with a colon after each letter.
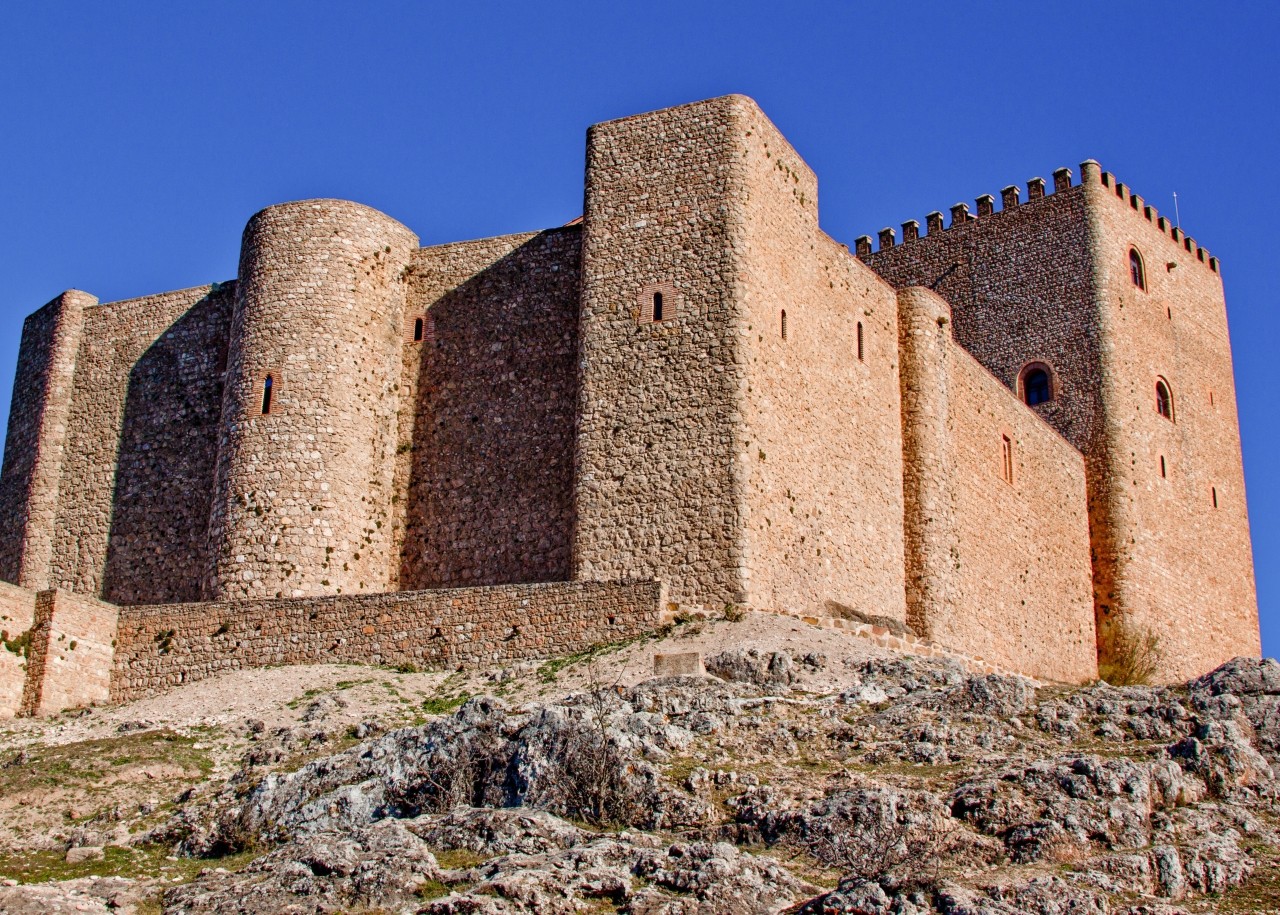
x: 1177, y: 219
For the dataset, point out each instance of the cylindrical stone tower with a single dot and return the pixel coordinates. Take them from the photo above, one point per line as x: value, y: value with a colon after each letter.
x: 305, y: 460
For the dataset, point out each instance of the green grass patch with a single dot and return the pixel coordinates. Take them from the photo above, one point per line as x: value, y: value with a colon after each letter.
x: 309, y: 694
x: 444, y: 703
x: 432, y: 889
x: 137, y: 862
x: 458, y: 859
x: 681, y: 767
x: 551, y: 669
x: 84, y: 764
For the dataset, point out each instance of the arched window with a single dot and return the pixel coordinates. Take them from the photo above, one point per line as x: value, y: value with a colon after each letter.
x: 657, y: 306
x: 861, y: 347
x: 1164, y: 399
x: 1136, y: 271
x: 267, y: 384
x: 784, y: 324
x: 1036, y: 383
x: 417, y: 330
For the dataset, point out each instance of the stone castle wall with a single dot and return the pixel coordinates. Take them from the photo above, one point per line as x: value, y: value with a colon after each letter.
x: 36, y: 442
x: 619, y: 401
x: 1024, y: 589
x: 161, y: 647
x: 488, y: 398
x: 72, y: 647
x: 168, y: 436
x: 998, y: 561
x: 17, y: 613
x: 1047, y: 281
x: 822, y: 455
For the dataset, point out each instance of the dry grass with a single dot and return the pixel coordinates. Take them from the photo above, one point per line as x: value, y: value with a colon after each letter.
x: 1132, y: 659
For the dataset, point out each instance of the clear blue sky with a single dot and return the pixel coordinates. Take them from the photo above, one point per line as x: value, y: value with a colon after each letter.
x: 137, y: 138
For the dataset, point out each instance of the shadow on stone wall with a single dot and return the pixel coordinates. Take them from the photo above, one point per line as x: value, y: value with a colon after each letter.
x: 491, y: 485
x: 168, y: 449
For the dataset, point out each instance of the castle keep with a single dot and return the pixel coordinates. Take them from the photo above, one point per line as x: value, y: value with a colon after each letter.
x: 1012, y: 437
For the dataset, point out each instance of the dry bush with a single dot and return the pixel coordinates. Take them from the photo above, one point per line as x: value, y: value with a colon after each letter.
x: 470, y: 773
x: 593, y: 781
x: 592, y: 778
x: 1132, y: 658
x: 573, y: 768
x: 874, y: 836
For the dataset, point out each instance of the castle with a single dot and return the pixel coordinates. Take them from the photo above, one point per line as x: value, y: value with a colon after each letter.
x: 1013, y: 437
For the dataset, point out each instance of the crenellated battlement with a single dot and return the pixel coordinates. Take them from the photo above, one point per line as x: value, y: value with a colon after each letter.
x: 1037, y: 191
x: 1166, y: 228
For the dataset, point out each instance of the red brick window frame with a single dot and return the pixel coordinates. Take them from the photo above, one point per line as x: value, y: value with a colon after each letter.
x: 266, y: 392
x: 658, y: 303
x: 1137, y: 269
x: 1164, y: 399
x: 1037, y: 384
x: 419, y: 327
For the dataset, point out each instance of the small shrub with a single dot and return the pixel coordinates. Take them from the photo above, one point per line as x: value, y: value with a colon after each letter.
x: 734, y: 613
x: 1132, y: 658
x: 20, y: 644
x: 594, y: 778
x: 880, y: 837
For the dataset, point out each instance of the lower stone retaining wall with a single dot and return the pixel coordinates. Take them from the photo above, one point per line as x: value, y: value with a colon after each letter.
x: 159, y: 647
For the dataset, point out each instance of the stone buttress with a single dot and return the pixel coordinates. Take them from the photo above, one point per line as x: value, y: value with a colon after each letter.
x: 37, y: 437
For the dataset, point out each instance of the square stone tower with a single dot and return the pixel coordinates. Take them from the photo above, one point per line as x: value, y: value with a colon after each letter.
x: 739, y: 413
x: 1112, y: 324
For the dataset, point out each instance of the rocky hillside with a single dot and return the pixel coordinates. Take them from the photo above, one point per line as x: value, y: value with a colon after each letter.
x: 797, y: 778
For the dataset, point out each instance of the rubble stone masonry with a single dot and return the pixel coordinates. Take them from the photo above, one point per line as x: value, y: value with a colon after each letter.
x: 302, y: 495
x: 17, y: 613
x: 161, y: 647
x: 72, y: 651
x: 821, y: 456
x: 37, y: 439
x: 487, y: 403
x: 657, y: 482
